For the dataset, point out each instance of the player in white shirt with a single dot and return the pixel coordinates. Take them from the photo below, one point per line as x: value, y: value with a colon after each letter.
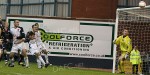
x: 18, y: 43
x: 34, y: 49
x: 40, y: 44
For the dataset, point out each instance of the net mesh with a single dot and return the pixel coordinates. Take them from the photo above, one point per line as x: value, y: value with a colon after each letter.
x: 137, y: 21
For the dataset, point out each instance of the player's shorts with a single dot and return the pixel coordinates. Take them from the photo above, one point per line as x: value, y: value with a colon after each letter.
x: 7, y: 46
x: 42, y: 46
x: 1, y: 47
x: 34, y: 49
x: 17, y: 47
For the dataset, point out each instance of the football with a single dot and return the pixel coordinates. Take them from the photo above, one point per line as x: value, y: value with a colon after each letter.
x: 142, y: 4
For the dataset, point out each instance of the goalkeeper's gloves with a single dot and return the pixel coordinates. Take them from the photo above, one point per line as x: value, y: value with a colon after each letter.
x: 126, y: 55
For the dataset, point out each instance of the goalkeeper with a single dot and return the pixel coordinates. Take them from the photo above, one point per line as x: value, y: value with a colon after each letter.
x: 125, y: 46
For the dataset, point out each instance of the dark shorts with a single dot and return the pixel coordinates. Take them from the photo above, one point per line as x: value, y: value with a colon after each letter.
x: 7, y: 46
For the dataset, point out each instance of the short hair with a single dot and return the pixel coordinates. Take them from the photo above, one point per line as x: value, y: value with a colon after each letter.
x: 30, y: 33
x: 15, y: 20
x: 36, y: 24
x: 33, y: 25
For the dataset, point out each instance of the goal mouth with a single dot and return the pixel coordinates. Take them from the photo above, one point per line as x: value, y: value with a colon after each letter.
x: 133, y: 8
x: 134, y: 14
x: 137, y: 21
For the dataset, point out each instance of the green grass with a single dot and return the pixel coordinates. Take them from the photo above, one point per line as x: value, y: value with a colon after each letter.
x: 51, y: 70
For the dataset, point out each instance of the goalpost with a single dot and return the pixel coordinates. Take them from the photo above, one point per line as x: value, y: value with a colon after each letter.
x: 137, y: 21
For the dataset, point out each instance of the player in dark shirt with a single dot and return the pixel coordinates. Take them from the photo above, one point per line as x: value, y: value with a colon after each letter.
x: 7, y: 41
x: 1, y: 28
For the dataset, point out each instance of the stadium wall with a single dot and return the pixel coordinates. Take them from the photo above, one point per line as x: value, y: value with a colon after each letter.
x: 105, y: 50
x: 102, y: 9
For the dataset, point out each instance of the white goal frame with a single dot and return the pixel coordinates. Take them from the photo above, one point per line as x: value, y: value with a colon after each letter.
x: 116, y: 29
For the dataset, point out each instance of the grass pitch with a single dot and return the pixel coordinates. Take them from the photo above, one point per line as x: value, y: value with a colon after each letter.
x: 51, y: 70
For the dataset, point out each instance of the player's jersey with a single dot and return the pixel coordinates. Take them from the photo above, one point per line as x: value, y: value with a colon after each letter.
x: 17, y: 33
x: 1, y: 27
x: 38, y: 37
x: 6, y: 35
x: 124, y: 42
x: 32, y: 44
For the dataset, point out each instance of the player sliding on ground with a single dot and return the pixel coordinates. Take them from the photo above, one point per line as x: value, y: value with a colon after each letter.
x: 34, y: 49
x: 125, y: 46
x: 41, y: 45
x: 18, y: 44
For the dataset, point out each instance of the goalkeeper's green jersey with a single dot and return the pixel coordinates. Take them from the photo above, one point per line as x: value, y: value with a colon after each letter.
x: 125, y: 43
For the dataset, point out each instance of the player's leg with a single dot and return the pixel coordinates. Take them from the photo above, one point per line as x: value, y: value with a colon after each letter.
x: 44, y: 50
x: 1, y: 49
x: 1, y: 54
x: 11, y: 59
x: 23, y: 50
x: 5, y: 48
x: 21, y: 59
x: 14, y: 50
x: 5, y: 56
x: 39, y: 61
x: 121, y: 62
x: 46, y: 56
x: 39, y: 58
x: 24, y: 53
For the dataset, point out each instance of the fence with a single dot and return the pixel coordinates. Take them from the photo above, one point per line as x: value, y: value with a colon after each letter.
x: 60, y: 8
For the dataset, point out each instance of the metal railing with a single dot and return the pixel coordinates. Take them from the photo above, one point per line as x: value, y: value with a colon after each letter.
x: 60, y: 8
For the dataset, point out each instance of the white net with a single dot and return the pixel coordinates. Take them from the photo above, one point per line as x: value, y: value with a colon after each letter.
x: 137, y: 21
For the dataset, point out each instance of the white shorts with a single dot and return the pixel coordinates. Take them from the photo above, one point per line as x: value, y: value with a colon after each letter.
x: 34, y: 49
x: 41, y: 46
x: 17, y: 47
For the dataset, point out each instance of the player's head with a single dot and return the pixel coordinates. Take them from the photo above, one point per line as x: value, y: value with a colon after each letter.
x: 6, y: 24
x: 37, y: 25
x: 16, y: 23
x: 31, y: 35
x: 125, y: 32
x: 35, y: 28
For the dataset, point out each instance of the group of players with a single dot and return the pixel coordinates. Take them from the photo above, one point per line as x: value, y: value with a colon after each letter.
x: 16, y: 37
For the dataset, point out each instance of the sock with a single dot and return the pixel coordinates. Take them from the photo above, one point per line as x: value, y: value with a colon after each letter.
x: 5, y: 57
x: 12, y: 61
x: 26, y: 61
x: 38, y: 63
x: 42, y: 61
x: 21, y: 58
x: 121, y: 66
x: 46, y: 58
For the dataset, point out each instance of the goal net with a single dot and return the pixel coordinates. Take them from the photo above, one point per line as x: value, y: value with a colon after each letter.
x: 137, y: 21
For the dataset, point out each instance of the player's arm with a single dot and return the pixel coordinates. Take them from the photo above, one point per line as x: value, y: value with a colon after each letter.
x: 0, y: 35
x: 117, y: 41
x: 130, y: 56
x: 27, y: 37
x: 129, y: 46
x: 10, y: 37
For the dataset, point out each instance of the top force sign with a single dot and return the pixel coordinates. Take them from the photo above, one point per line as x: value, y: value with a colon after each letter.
x: 73, y: 38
